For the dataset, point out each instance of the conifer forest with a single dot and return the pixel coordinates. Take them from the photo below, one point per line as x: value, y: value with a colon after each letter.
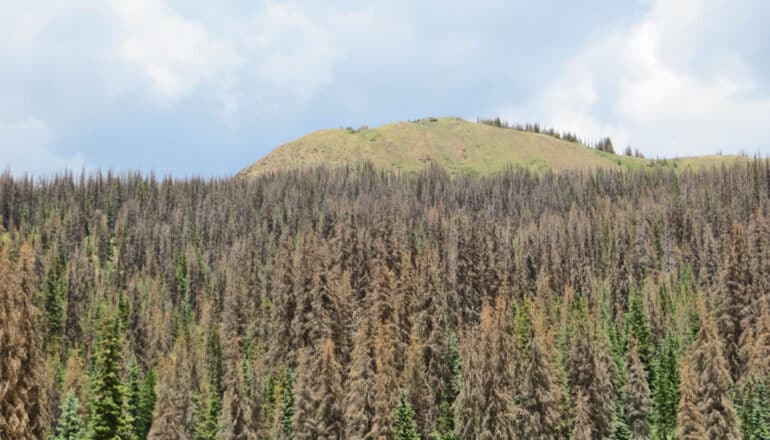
x: 352, y: 303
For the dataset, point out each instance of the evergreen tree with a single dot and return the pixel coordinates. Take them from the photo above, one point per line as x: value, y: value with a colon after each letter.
x: 665, y: 389
x: 734, y: 302
x: 108, y: 393
x: 55, y: 296
x: 485, y: 405
x: 445, y: 428
x: 286, y: 425
x: 143, y: 416
x: 755, y: 411
x: 638, y: 328
x: 590, y: 370
x: 360, y: 385
x: 328, y: 420
x: 21, y: 407
x: 404, y: 427
x: 581, y: 425
x: 70, y: 425
x: 620, y: 429
x: 541, y: 393
x: 174, y: 399
x: 235, y: 421
x: 638, y: 405
x: 690, y: 422
x: 714, y: 384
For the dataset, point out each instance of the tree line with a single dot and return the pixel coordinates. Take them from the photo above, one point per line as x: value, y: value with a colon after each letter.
x: 360, y: 304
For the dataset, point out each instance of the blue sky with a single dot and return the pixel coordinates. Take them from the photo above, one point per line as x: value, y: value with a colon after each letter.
x: 204, y: 88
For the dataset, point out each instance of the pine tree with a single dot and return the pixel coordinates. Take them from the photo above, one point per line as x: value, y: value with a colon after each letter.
x: 286, y: 416
x: 734, y: 302
x: 638, y: 327
x: 690, y: 422
x: 541, y: 394
x: 55, y: 296
x: 486, y: 407
x: 235, y: 420
x: 70, y: 425
x: 140, y: 399
x: 107, y: 390
x: 590, y: 370
x: 360, y: 385
x: 581, y: 425
x: 445, y: 428
x: 304, y: 420
x: 714, y: 384
x: 404, y: 427
x: 174, y: 398
x: 665, y: 389
x: 328, y: 394
x: 755, y: 411
x: 143, y: 417
x: 638, y: 405
x: 21, y: 407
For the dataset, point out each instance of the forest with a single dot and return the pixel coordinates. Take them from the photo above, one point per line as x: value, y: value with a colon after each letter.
x: 353, y: 303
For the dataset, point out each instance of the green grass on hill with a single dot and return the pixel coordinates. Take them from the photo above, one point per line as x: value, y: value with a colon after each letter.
x: 455, y: 144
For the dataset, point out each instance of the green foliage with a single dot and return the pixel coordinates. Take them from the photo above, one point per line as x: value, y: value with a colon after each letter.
x: 445, y: 423
x: 665, y: 387
x: 638, y: 326
x: 69, y: 426
x: 55, y: 296
x: 404, y: 427
x: 108, y: 411
x: 286, y: 421
x: 620, y: 429
x: 755, y: 411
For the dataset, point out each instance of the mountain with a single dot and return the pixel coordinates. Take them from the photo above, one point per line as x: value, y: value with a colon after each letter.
x: 456, y: 144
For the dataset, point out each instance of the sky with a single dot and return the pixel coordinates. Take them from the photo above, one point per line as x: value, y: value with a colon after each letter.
x: 200, y: 88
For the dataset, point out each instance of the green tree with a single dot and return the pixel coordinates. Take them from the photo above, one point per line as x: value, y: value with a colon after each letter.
x: 55, y: 295
x: 665, y: 387
x: 445, y: 423
x: 107, y: 391
x: 755, y: 411
x: 404, y: 427
x: 70, y: 425
x: 638, y: 327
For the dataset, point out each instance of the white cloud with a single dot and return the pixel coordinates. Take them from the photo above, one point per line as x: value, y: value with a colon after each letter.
x: 647, y: 85
x: 25, y: 147
x: 173, y: 53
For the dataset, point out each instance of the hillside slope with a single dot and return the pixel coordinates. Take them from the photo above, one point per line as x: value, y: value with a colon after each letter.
x: 453, y: 143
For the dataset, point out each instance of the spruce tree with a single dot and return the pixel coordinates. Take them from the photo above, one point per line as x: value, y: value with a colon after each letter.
x: 21, y: 395
x: 174, y: 397
x: 690, y: 422
x: 734, y: 301
x: 665, y: 387
x: 404, y: 427
x: 486, y: 406
x: 581, y: 424
x: 638, y: 405
x: 328, y: 395
x: 714, y: 384
x: 445, y: 428
x: 70, y: 425
x: 755, y: 411
x: 541, y: 393
x: 107, y: 390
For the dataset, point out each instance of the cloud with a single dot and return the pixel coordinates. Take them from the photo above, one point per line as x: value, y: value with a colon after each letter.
x: 172, y: 53
x: 25, y: 147
x: 660, y: 84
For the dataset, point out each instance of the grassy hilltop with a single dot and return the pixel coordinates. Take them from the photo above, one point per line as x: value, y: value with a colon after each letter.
x: 456, y: 144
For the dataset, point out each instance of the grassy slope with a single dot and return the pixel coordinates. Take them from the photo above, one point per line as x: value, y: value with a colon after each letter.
x: 456, y: 144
